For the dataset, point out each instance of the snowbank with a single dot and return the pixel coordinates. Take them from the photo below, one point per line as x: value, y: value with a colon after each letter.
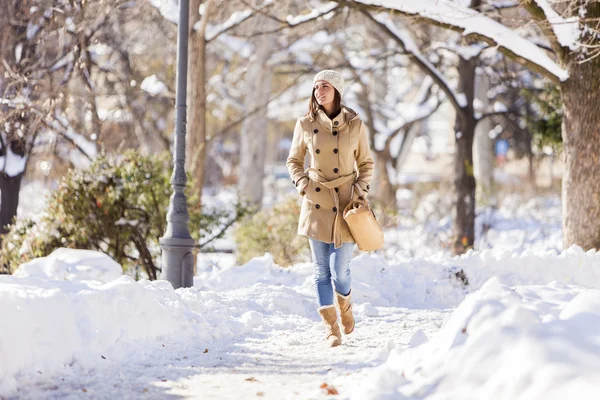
x: 67, y: 308
x: 72, y: 265
x: 49, y: 324
x: 530, y: 342
x: 56, y: 312
x: 438, y: 281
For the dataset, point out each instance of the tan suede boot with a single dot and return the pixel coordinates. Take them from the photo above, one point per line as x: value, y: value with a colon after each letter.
x: 329, y: 315
x: 345, y: 305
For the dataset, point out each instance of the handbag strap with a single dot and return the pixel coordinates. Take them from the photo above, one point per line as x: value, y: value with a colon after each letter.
x: 359, y: 192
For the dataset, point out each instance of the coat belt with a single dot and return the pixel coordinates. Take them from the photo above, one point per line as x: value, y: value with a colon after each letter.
x: 318, y: 177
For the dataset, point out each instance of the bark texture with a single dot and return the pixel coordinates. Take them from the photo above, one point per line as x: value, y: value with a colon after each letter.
x: 581, y: 138
x: 383, y: 191
x: 196, y: 99
x: 484, y: 147
x: 464, y: 179
x: 9, y: 199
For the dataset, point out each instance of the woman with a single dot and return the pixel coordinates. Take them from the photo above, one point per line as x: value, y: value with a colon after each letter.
x: 341, y: 166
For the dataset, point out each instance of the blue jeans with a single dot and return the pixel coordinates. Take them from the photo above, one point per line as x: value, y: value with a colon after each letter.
x: 331, y: 263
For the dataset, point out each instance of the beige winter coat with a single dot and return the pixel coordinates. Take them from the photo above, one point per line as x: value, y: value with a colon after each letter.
x: 339, y: 157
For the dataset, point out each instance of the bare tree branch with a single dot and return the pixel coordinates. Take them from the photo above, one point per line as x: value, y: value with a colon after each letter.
x: 555, y: 76
x: 539, y: 16
x: 419, y: 61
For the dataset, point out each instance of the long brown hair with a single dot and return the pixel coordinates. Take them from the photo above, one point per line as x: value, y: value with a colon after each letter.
x: 314, y: 106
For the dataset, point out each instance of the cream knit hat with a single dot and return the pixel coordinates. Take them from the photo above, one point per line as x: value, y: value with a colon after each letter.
x: 333, y: 77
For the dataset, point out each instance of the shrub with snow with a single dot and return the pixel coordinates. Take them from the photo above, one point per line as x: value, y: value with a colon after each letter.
x: 118, y: 206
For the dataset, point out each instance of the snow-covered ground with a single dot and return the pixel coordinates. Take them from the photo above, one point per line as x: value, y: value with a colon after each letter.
x: 518, y: 319
x: 253, y: 331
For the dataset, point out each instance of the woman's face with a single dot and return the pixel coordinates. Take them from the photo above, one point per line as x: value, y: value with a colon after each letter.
x: 324, y: 92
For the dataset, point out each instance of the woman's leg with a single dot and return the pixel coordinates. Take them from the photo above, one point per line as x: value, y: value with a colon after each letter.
x: 342, y: 279
x: 321, y: 253
x: 343, y: 282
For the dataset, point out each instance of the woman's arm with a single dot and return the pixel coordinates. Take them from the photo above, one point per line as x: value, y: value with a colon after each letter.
x: 295, y: 160
x: 364, y: 160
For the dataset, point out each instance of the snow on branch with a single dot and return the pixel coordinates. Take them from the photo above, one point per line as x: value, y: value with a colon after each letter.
x: 10, y: 163
x: 169, y: 9
x: 318, y: 12
x: 236, y: 18
x: 562, y: 33
x: 422, y: 107
x: 471, y: 24
x: 566, y: 30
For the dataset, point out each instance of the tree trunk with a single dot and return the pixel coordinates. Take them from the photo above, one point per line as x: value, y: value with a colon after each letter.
x: 196, y: 99
x: 407, y: 142
x: 383, y: 191
x: 145, y: 257
x: 464, y: 183
x: 9, y: 199
x: 253, y: 147
x: 484, y: 148
x: 581, y: 140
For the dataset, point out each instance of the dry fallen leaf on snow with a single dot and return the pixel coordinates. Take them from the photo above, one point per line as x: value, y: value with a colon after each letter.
x: 330, y: 389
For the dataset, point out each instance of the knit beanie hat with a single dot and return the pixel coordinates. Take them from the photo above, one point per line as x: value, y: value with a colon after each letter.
x: 333, y: 77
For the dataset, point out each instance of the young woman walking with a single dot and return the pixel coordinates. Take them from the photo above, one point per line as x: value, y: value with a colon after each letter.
x: 341, y: 166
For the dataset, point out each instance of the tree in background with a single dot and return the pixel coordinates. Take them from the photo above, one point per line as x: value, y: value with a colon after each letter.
x: 577, y: 50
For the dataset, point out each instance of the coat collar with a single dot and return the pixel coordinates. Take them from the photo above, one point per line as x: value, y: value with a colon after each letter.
x: 346, y: 115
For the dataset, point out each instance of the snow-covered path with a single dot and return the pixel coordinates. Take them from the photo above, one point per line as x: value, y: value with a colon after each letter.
x: 523, y: 327
x: 280, y: 364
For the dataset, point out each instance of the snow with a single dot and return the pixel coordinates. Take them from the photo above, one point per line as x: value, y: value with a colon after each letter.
x: 461, y: 99
x: 18, y: 52
x: 534, y: 342
x: 153, y: 86
x: 566, y: 30
x: 470, y: 21
x: 500, y: 107
x: 72, y: 265
x: 323, y: 10
x: 259, y: 319
x: 235, y: 19
x: 62, y: 124
x: 12, y: 164
x: 72, y: 324
x: 169, y: 9
x: 32, y: 199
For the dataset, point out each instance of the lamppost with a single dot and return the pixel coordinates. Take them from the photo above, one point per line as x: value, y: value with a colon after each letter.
x: 177, y: 244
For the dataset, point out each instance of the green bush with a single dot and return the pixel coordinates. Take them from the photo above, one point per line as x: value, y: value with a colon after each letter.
x: 273, y: 231
x: 546, y: 122
x: 117, y: 206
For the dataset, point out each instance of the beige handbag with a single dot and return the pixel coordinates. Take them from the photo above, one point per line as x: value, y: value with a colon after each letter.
x: 363, y: 224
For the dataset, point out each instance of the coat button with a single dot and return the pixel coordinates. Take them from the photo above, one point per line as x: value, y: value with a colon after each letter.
x: 335, y: 151
x: 337, y: 190
x: 318, y: 189
x: 293, y: 182
x: 335, y: 170
x: 334, y: 133
x: 334, y: 209
x: 318, y: 206
x: 317, y: 151
x: 335, y: 123
x: 316, y: 131
x: 368, y: 187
